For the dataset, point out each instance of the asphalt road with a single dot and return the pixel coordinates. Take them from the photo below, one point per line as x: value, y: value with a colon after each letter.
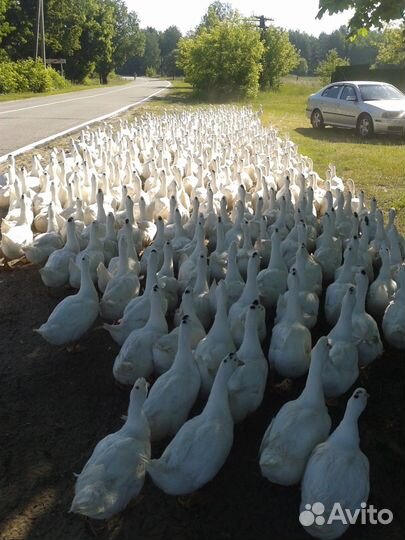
x: 26, y: 122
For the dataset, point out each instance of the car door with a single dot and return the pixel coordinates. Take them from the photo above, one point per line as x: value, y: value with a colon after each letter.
x: 347, y: 106
x: 329, y: 106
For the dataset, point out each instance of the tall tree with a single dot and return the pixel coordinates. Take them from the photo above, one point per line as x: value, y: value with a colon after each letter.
x: 391, y: 49
x: 327, y: 67
x: 280, y: 57
x: 128, y: 39
x: 367, y: 13
x: 168, y: 41
x: 217, y: 12
x: 151, y: 56
x: 223, y: 60
x: 5, y: 27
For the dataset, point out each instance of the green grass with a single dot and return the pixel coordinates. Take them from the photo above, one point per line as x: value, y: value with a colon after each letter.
x: 377, y: 166
x: 114, y: 81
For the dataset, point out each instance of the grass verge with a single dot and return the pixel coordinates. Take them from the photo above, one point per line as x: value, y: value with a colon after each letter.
x: 115, y: 81
x: 377, y: 166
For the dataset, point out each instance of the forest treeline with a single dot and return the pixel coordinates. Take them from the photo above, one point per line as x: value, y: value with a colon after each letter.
x: 99, y: 37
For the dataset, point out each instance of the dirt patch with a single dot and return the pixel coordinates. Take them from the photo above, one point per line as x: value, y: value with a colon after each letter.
x: 56, y: 406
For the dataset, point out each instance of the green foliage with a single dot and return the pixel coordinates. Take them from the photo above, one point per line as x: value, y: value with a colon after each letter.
x: 95, y: 36
x: 280, y: 57
x: 327, y: 67
x: 302, y: 68
x: 8, y: 78
x: 150, y: 72
x: 151, y: 56
x: 223, y: 60
x: 168, y: 41
x: 218, y: 12
x: 367, y: 13
x: 391, y: 50
x: 29, y: 76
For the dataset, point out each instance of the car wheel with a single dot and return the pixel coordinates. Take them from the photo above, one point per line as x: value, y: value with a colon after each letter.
x: 365, y: 127
x: 317, y: 119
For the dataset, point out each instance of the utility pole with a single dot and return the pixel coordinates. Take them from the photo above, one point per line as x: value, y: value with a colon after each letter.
x: 40, y: 30
x: 260, y: 20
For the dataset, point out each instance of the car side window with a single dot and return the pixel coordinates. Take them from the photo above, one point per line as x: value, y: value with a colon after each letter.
x: 332, y: 91
x: 348, y: 92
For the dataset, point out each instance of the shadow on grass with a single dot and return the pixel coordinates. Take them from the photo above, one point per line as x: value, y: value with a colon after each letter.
x: 348, y: 136
x: 185, y: 95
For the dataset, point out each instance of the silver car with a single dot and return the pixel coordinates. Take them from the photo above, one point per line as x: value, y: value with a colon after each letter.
x: 367, y: 106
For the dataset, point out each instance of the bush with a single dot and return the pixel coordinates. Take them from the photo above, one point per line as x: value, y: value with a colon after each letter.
x: 35, y: 76
x: 224, y: 60
x: 8, y: 78
x: 29, y: 76
x: 150, y: 72
x: 57, y: 80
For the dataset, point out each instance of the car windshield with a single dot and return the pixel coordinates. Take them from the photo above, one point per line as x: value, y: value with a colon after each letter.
x: 375, y: 92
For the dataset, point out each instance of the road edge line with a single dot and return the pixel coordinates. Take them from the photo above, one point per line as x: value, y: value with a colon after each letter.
x: 33, y: 145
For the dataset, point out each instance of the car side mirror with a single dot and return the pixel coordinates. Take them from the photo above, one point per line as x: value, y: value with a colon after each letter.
x: 351, y: 98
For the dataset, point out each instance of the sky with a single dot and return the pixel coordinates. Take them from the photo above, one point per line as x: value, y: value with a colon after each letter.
x: 186, y: 14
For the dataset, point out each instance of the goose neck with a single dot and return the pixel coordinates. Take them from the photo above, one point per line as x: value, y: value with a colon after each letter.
x: 250, y: 340
x: 293, y: 310
x: 72, y: 243
x: 220, y: 246
x: 342, y: 331
x: 250, y: 292
x: 313, y: 391
x: 218, y: 400
x: 87, y: 288
x: 157, y: 320
x: 361, y: 292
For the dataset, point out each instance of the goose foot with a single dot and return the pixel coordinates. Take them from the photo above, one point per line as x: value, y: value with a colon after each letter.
x: 120, y: 385
x: 332, y: 402
x: 75, y: 348
x: 94, y: 527
x: 134, y: 502
x: 283, y: 387
x: 363, y: 375
x: 188, y: 501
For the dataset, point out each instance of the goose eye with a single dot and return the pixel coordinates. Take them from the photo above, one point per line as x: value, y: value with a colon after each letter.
x: 136, y: 387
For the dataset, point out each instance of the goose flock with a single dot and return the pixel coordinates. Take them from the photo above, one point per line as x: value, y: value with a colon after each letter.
x: 210, y: 247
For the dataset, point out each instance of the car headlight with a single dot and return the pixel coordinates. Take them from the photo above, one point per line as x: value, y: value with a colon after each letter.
x: 392, y: 114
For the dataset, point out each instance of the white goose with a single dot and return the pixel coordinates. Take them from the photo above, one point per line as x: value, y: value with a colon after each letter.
x: 165, y: 348
x: 115, y: 472
x: 337, y: 290
x: 166, y: 408
x: 337, y: 472
x: 298, y: 427
x: 201, y: 446
x: 94, y: 252
x: 135, y: 357
x: 383, y: 288
x: 55, y: 273
x: 238, y: 310
x: 393, y: 323
x: 217, y: 344
x: 75, y: 315
x: 136, y: 312
x: 121, y: 288
x: 246, y: 386
x: 341, y: 370
x: 46, y: 243
x: 365, y: 330
x: 290, y: 345
x: 272, y: 281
